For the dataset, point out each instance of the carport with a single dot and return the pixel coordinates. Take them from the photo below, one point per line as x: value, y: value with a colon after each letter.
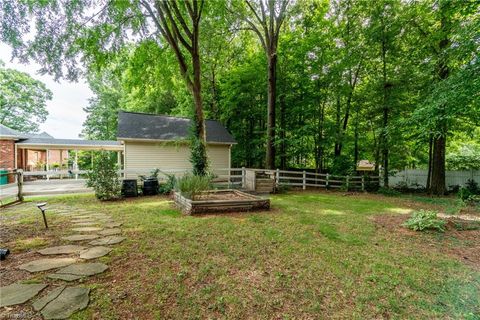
x: 50, y: 156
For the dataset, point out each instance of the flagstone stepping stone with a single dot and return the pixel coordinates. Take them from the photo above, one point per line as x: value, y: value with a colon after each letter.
x: 83, y: 220
x: 64, y: 277
x: 110, y: 232
x: 61, y: 250
x: 84, y: 269
x: 70, y: 300
x: 87, y: 229
x: 81, y: 237
x: 84, y: 217
x: 40, y: 303
x: 17, y: 293
x: 106, y: 241
x: 95, y: 252
x: 113, y: 224
x: 84, y: 224
x: 46, y: 264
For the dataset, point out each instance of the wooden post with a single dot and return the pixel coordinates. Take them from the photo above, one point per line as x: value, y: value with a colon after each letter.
x: 348, y: 178
x: 277, y: 177
x: 20, y: 184
x: 304, y: 184
x: 363, y: 183
x: 326, y: 182
x: 244, y: 177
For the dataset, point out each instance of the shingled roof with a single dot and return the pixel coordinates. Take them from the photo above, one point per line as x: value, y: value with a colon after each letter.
x: 143, y: 126
x: 9, y: 133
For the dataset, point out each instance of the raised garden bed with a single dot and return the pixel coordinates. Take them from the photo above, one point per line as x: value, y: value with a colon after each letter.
x: 227, y: 200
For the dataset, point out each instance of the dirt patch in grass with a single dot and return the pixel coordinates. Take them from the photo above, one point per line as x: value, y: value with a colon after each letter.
x: 465, y: 247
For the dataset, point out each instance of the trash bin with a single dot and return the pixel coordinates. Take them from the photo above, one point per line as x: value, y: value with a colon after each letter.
x: 129, y: 188
x: 3, y: 176
x: 150, y: 187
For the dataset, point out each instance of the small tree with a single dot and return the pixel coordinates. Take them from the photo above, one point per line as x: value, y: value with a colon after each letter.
x: 103, y: 178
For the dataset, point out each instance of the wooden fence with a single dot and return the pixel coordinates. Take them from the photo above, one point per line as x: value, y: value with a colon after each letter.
x: 236, y: 177
x: 304, y: 179
x: 11, y: 192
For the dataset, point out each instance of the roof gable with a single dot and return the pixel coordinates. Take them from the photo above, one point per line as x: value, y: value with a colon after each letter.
x: 142, y: 126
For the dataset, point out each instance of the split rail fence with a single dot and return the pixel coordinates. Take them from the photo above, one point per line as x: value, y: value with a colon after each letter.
x: 299, y: 179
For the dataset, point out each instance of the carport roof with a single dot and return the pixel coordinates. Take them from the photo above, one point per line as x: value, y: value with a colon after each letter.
x: 70, y: 144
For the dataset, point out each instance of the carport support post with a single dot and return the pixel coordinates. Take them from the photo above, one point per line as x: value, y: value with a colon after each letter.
x: 75, y: 167
x: 47, y: 163
x: 119, y: 162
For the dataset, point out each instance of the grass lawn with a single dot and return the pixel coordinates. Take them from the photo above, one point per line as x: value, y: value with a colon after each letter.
x: 314, y: 255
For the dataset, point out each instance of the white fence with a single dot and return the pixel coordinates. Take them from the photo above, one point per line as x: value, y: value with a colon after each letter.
x: 419, y: 177
x: 236, y: 177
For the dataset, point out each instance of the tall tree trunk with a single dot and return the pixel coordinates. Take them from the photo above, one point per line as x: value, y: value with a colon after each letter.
x: 438, y: 169
x: 283, y: 144
x: 268, y: 18
x: 439, y: 142
x: 337, y: 149
x: 197, y: 97
x: 386, y: 86
x: 355, y: 151
x: 430, y: 163
x: 272, y: 81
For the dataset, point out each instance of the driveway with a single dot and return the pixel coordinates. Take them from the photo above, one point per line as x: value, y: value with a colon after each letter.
x: 44, y: 187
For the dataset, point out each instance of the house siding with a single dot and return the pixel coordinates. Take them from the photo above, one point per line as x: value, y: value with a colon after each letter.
x: 142, y: 157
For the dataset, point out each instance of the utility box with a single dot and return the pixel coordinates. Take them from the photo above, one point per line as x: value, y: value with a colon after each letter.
x: 259, y: 181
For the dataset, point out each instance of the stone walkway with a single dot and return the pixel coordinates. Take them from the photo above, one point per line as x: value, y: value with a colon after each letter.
x: 89, y: 238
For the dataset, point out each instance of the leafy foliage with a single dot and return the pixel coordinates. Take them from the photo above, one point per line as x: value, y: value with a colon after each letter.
x: 103, y: 177
x: 22, y: 100
x: 425, y: 220
x: 190, y: 185
x: 355, y: 79
x: 167, y: 187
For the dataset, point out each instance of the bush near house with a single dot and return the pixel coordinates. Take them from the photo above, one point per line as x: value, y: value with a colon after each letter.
x: 103, y: 178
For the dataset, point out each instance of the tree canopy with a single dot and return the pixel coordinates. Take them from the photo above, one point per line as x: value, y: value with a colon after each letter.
x: 22, y: 100
x: 300, y: 84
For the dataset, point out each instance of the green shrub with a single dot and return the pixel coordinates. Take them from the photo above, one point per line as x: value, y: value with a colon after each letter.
x: 167, y: 187
x: 190, y: 185
x: 425, y: 220
x: 464, y: 193
x: 472, y: 186
x: 153, y: 175
x: 103, y: 178
x: 388, y: 192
